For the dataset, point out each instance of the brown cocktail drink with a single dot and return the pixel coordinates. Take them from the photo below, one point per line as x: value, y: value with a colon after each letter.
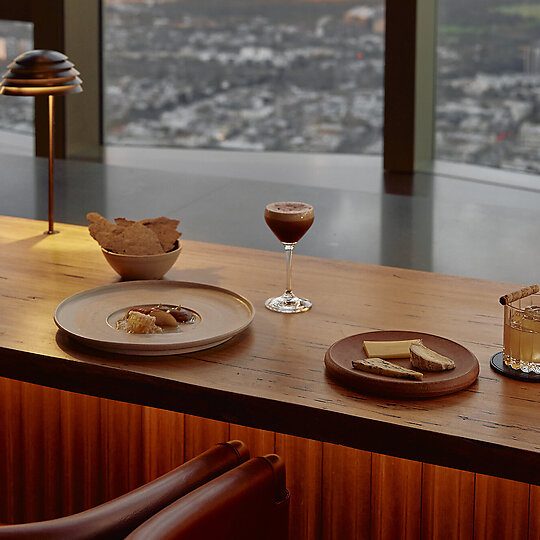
x: 289, y: 221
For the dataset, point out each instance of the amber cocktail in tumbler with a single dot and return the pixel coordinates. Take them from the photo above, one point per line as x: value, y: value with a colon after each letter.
x: 521, y: 337
x: 289, y: 221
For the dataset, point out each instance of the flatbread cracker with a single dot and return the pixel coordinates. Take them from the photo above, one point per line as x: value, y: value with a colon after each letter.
x: 428, y: 360
x: 136, y: 240
x: 123, y: 222
x: 100, y: 228
x: 165, y: 230
x: 145, y: 237
x: 380, y: 366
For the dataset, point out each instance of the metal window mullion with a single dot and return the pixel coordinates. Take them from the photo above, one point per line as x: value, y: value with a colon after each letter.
x: 410, y: 56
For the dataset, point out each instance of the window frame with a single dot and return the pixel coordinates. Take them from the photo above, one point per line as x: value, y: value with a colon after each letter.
x: 409, y: 87
x: 73, y: 28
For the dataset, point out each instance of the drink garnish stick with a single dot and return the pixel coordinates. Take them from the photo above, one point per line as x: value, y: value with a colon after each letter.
x: 517, y: 295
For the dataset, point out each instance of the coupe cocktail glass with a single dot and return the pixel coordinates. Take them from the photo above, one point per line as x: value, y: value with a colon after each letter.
x: 289, y: 221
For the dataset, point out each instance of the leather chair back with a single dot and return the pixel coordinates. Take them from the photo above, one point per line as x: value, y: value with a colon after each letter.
x: 249, y: 502
x: 117, y: 518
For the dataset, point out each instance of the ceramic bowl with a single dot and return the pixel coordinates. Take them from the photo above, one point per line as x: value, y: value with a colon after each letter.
x: 142, y: 266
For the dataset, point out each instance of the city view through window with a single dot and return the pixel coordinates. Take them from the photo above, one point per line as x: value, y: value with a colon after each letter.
x: 306, y: 76
x: 245, y: 74
x: 16, y: 112
x: 488, y: 92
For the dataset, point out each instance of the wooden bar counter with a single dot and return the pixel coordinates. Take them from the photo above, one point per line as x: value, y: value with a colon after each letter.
x: 272, y: 376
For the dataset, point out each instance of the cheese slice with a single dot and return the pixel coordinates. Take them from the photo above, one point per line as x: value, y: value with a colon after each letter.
x: 386, y: 368
x: 389, y: 349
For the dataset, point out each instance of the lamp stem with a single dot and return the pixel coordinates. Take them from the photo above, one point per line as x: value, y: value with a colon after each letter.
x: 51, y: 165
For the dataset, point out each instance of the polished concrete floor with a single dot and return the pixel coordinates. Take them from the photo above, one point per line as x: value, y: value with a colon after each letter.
x: 430, y: 222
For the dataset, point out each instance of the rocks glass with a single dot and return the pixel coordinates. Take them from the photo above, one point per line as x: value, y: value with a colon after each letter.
x: 521, y: 338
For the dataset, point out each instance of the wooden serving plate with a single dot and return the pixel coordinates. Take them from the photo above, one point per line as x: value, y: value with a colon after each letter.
x: 339, y: 356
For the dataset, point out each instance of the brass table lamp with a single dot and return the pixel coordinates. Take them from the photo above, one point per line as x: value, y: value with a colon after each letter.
x: 42, y: 73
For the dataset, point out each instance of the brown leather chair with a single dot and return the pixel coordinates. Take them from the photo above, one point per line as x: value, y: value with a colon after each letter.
x: 117, y: 518
x: 249, y: 502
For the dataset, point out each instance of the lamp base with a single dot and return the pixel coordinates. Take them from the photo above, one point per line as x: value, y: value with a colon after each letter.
x: 51, y: 232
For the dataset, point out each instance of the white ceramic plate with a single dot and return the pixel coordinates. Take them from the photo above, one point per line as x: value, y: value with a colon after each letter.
x: 90, y: 316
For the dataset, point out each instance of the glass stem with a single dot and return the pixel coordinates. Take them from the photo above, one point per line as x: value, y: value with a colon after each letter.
x: 288, y: 253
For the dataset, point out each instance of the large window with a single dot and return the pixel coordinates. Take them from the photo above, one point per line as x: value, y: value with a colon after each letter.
x: 488, y: 106
x: 16, y: 113
x: 279, y: 75
x: 305, y: 76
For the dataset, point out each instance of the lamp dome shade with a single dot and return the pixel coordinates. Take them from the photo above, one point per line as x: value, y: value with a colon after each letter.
x: 40, y: 72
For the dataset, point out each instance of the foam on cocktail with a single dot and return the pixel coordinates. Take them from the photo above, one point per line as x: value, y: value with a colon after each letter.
x: 290, y: 211
x: 289, y: 221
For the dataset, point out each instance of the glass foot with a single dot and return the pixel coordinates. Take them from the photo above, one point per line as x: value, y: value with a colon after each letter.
x: 288, y: 304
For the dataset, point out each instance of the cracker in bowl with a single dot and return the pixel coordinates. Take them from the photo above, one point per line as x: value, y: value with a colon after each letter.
x: 126, y: 237
x: 165, y: 230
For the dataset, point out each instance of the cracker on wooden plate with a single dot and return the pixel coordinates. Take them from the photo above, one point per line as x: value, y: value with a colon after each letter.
x: 379, y: 366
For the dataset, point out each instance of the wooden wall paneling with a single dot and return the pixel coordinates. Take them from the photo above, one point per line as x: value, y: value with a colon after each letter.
x: 534, y: 513
x: 396, y: 498
x: 76, y: 453
x: 122, y: 444
x: 95, y: 459
x: 346, y: 493
x: 202, y: 433
x: 303, y: 459
x: 11, y: 457
x: 259, y: 441
x: 135, y: 446
x: 115, y: 473
x: 447, y: 503
x: 501, y: 508
x: 52, y: 466
x: 32, y: 480
x: 163, y: 441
